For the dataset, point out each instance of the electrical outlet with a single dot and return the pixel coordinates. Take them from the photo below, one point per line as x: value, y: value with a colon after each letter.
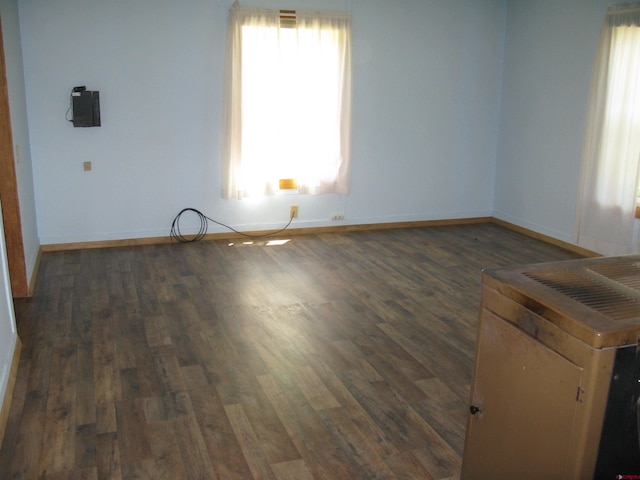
x: 86, y: 166
x: 337, y: 216
x: 293, y: 211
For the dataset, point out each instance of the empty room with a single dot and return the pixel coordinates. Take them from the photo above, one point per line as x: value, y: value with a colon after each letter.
x: 291, y: 239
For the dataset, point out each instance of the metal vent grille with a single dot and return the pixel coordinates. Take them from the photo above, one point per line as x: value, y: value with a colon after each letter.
x: 627, y: 274
x: 610, y: 289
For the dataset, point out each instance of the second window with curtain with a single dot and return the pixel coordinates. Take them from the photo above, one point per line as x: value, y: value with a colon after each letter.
x: 610, y: 169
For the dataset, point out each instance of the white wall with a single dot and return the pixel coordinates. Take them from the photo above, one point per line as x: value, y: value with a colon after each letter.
x: 550, y: 48
x: 22, y: 152
x: 427, y: 79
x: 8, y: 334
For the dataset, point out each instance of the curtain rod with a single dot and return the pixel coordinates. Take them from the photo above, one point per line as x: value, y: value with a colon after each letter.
x: 623, y: 7
x: 288, y: 19
x: 288, y: 14
x: 623, y: 15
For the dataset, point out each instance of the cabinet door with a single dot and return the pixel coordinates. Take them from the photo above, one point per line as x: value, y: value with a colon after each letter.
x: 527, y: 396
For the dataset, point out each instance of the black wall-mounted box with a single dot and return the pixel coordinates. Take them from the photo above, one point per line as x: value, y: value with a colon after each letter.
x: 86, y: 108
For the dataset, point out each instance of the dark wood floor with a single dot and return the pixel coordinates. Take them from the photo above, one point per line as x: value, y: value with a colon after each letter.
x: 337, y: 356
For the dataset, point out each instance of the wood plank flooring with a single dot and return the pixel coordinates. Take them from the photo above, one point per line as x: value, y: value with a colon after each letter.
x: 334, y: 356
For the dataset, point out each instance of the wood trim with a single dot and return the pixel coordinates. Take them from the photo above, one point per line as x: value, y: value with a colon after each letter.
x: 547, y: 239
x: 132, y: 242
x: 332, y: 229
x: 8, y: 394
x: 34, y: 273
x: 637, y: 210
x: 9, y: 191
x: 129, y: 242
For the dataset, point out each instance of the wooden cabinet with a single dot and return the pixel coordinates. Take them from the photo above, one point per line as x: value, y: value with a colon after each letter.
x: 526, y: 393
x: 548, y: 348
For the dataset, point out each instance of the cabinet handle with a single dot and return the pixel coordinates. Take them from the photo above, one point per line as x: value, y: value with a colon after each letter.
x: 474, y: 409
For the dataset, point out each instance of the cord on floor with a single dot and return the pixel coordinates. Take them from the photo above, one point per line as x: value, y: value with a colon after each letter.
x: 177, y: 235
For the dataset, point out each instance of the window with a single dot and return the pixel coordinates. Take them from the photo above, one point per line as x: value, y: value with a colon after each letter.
x: 611, y: 150
x: 287, y: 112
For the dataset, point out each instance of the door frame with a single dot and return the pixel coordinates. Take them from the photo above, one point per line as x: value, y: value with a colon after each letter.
x: 9, y: 191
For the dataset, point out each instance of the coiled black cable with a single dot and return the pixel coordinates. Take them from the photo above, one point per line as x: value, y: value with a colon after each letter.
x: 175, y: 233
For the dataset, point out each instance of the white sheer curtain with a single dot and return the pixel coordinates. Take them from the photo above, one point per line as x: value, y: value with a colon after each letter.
x: 611, y: 149
x: 287, y: 102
